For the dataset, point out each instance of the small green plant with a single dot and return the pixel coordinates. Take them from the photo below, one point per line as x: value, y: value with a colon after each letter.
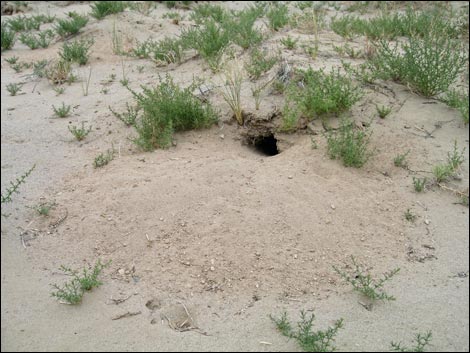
x: 309, y: 340
x: 421, y: 341
x: 101, y: 9
x: 383, y: 111
x: 18, y: 67
x: 76, y: 51
x: 400, y: 160
x: 257, y: 91
x: 24, y: 23
x: 79, y: 132
x: 443, y: 172
x: 260, y: 62
x: 72, y: 291
x: 349, y: 144
x: 103, y: 158
x: 202, y: 12
x: 13, y: 188
x: 14, y: 88
x: 278, y: 16
x: 289, y: 43
x: 69, y: 27
x: 458, y: 101
x: 231, y: 92
x: 7, y: 37
x: 12, y: 60
x: 44, y: 208
x: 242, y: 29
x: 419, y: 184
x: 59, y: 90
x: 62, y: 111
x: 167, y: 108
x: 409, y: 216
x: 365, y: 284
x: 39, y: 68
x: 41, y: 40
x: 140, y: 68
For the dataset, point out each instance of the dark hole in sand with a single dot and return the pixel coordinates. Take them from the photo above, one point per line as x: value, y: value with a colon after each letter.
x: 266, y: 145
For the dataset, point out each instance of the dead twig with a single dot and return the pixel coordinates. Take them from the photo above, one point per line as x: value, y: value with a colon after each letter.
x: 128, y: 314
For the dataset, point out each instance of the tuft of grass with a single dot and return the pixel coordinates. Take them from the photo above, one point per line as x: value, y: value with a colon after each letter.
x: 309, y: 340
x: 167, y: 108
x: 400, y: 160
x: 364, y: 283
x: 383, y: 111
x: 317, y: 93
x: 69, y: 27
x: 39, y: 68
x: 14, y: 88
x: 72, y: 291
x: 278, y: 16
x: 129, y: 117
x: 409, y: 216
x: 44, y: 208
x: 420, y: 342
x: 7, y: 37
x: 231, y: 92
x: 419, y: 184
x: 62, y: 111
x: 79, y: 132
x: 349, y: 144
x: 59, y: 72
x: 257, y: 91
x: 241, y: 26
x: 101, y: 9
x: 428, y: 66
x: 289, y: 43
x: 23, y: 23
x: 76, y: 51
x: 12, y: 60
x: 104, y: 158
x: 13, y: 188
x: 203, y: 12
x: 458, y: 101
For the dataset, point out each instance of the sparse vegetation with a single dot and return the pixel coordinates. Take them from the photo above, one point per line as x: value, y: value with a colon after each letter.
x: 72, y: 291
x: 168, y: 108
x: 79, y: 132
x: 419, y: 184
x: 309, y: 340
x: 410, y: 216
x: 364, y: 283
x: 129, y: 117
x: 289, y: 43
x: 44, y: 208
x: 13, y: 188
x: 420, y: 342
x: 231, y: 92
x: 12, y: 60
x: 76, y: 51
x: 444, y: 172
x: 260, y: 62
x: 40, y: 40
x: 13, y: 88
x: 62, y: 111
x: 458, y: 101
x: 278, y: 16
x: 400, y: 160
x: 59, y: 72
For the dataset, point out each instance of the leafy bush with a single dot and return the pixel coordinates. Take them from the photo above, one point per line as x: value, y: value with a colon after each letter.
x: 68, y: 27
x: 260, y: 62
x: 349, y: 144
x: 278, y: 16
x: 428, y: 66
x: 316, y: 93
x: 40, y: 40
x: 168, y: 108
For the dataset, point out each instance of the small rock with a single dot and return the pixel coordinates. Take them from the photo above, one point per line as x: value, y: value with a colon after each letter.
x: 295, y: 256
x: 427, y: 221
x: 121, y: 271
x: 212, y: 268
x: 290, y: 176
x: 333, y: 207
x: 222, y: 136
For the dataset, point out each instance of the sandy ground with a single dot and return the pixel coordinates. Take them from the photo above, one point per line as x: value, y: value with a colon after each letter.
x: 214, y: 226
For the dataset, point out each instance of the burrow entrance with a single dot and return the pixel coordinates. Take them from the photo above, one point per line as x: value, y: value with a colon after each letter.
x: 266, y: 145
